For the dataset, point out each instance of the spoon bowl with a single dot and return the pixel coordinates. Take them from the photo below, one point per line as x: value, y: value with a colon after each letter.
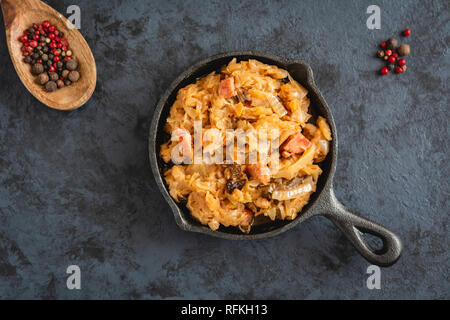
x: 19, y: 15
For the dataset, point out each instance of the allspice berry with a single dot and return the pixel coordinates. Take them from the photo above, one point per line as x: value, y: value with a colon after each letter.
x: 67, y: 82
x: 37, y: 68
x: 51, y: 86
x: 54, y: 76
x: 404, y: 49
x: 60, y: 83
x: 71, y: 64
x: 43, y: 78
x: 392, y: 43
x: 74, y: 76
x: 65, y: 73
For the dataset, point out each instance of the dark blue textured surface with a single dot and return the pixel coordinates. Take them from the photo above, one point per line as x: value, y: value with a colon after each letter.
x: 76, y: 188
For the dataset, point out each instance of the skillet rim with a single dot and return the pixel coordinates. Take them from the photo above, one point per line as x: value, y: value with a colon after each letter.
x: 315, y: 207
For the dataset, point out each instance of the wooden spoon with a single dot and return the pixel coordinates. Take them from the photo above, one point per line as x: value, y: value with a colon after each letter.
x: 18, y: 16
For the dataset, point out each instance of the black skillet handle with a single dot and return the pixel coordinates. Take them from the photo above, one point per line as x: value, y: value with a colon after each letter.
x: 354, y: 227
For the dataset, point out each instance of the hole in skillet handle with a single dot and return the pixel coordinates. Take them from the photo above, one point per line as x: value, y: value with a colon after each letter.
x: 376, y: 244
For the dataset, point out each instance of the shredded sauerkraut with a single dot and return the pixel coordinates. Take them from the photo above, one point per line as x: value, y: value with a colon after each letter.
x: 246, y: 95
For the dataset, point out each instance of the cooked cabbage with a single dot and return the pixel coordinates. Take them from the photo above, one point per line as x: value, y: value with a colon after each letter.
x: 266, y: 98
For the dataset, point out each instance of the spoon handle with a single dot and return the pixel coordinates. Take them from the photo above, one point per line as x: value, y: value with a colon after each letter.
x: 21, y: 3
x: 12, y: 8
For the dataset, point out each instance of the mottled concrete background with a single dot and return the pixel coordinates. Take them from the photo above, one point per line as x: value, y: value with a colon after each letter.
x: 76, y: 188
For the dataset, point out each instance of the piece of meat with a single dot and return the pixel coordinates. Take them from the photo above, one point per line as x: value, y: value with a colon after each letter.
x: 247, y: 218
x: 247, y: 221
x: 226, y: 88
x: 184, y: 140
x: 259, y: 172
x: 296, y: 143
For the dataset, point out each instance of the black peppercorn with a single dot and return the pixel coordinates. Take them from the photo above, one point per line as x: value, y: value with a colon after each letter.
x: 54, y: 76
x: 27, y: 59
x: 391, y: 66
x: 67, y: 82
x: 392, y: 43
x: 37, y: 68
x: 35, y: 56
x: 59, y: 65
x: 380, y: 54
x: 43, y: 78
x: 71, y: 64
x: 49, y: 63
x: 404, y: 49
x: 45, y: 49
x: 51, y: 56
x: 44, y: 57
x: 51, y: 86
x: 65, y: 73
x: 74, y: 76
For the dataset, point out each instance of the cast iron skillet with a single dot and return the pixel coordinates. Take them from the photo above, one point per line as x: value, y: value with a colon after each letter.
x: 323, y: 202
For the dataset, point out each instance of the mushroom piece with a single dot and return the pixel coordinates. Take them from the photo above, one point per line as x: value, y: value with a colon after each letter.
x: 283, y: 195
x: 279, y: 187
x: 236, y: 178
